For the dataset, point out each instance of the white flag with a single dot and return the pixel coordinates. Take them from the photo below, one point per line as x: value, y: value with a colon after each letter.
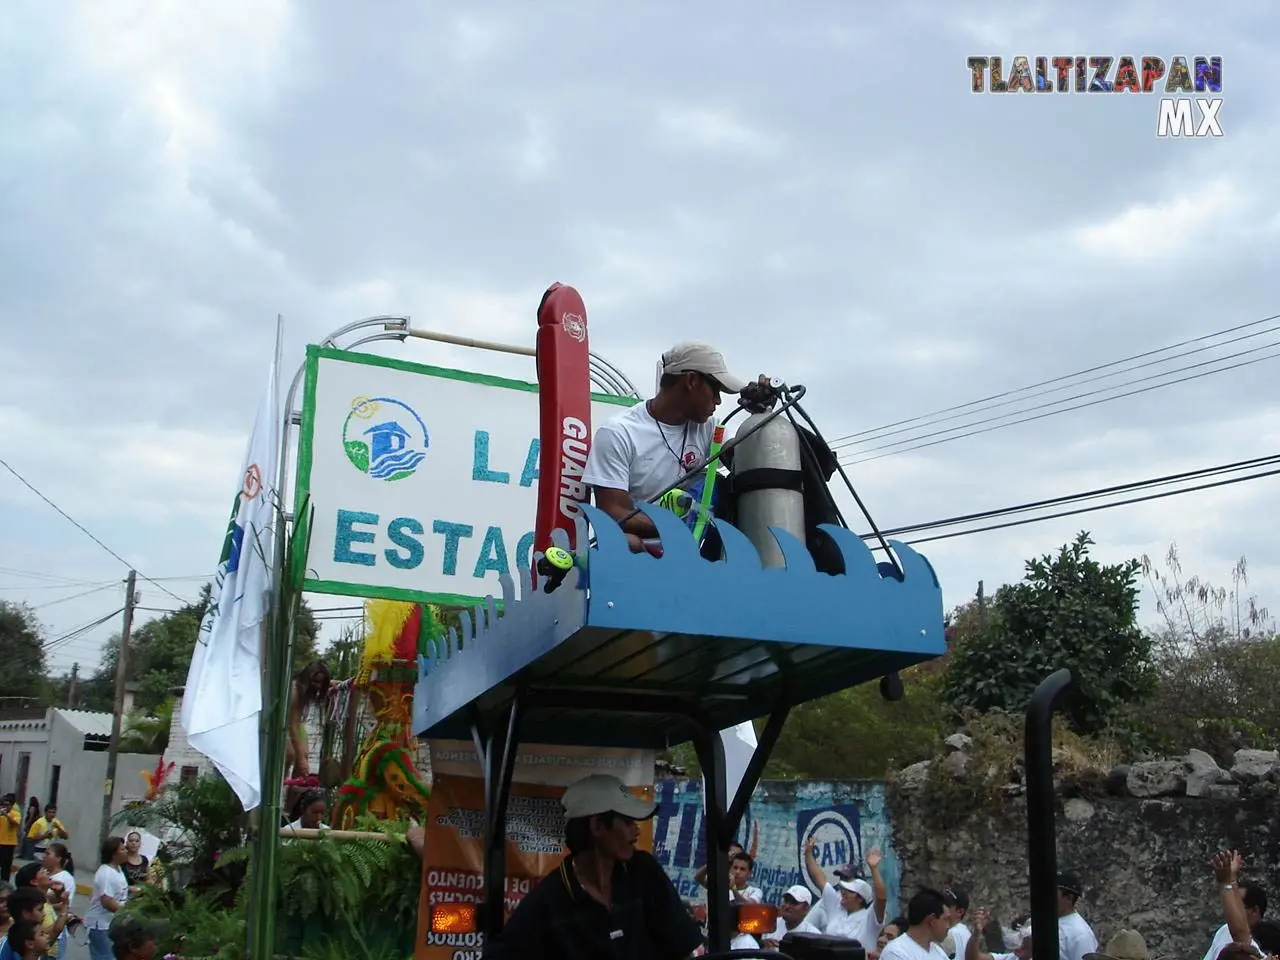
x: 223, y: 696
x: 739, y: 747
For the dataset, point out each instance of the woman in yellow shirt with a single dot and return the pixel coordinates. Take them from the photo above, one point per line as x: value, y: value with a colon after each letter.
x: 47, y: 828
x: 10, y: 824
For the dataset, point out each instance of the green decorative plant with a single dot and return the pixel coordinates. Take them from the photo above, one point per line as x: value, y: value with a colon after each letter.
x: 198, y: 820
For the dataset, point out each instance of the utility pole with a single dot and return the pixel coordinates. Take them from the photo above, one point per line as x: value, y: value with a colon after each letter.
x: 71, y: 692
x: 982, y: 606
x: 122, y: 658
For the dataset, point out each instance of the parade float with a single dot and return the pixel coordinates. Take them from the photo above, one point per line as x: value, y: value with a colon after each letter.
x: 425, y: 487
x: 385, y: 782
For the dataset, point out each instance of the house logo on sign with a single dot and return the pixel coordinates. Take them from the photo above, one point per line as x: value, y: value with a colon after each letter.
x: 384, y: 438
x: 575, y: 326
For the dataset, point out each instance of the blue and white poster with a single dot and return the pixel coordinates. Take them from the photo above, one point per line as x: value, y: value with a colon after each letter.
x: 844, y: 821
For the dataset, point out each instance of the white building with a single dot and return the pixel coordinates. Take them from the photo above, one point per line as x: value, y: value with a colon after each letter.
x: 60, y: 757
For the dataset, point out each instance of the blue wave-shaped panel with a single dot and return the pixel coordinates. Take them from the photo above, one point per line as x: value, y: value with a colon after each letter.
x: 869, y: 607
x: 865, y: 607
x: 394, y: 464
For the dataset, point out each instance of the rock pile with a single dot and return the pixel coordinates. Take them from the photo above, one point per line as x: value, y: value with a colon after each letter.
x: 1253, y: 774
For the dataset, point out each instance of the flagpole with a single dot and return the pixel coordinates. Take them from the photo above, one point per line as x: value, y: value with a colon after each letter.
x: 276, y: 657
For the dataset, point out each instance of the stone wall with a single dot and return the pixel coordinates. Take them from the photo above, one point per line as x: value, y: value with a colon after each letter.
x: 1141, y: 850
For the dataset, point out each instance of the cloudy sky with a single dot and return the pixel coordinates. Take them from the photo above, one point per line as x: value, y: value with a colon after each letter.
x: 812, y: 187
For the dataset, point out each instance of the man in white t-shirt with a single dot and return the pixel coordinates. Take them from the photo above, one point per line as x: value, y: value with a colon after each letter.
x: 1017, y: 942
x: 793, y: 915
x: 1254, y: 898
x: 853, y: 908
x: 957, y: 900
x: 1075, y: 936
x: 927, y: 928
x: 640, y: 453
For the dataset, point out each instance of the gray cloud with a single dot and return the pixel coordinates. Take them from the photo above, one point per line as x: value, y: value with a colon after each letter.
x: 818, y: 191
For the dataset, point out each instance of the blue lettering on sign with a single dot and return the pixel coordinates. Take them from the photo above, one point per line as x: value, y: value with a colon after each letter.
x: 408, y: 551
x: 480, y: 462
x: 404, y: 533
x: 530, y: 472
x: 452, y: 532
x: 481, y: 472
x: 346, y: 535
x: 524, y: 551
x: 493, y: 554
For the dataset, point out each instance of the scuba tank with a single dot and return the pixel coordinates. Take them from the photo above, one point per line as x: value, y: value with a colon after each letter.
x: 768, y: 484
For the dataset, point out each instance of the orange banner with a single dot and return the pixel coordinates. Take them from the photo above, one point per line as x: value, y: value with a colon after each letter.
x: 452, y: 869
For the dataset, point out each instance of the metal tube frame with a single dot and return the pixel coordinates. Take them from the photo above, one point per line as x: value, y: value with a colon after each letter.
x: 1042, y: 849
x: 496, y: 746
x: 393, y: 327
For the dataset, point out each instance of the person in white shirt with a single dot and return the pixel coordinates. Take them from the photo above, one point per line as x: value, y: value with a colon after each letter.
x: 1017, y: 941
x: 853, y: 908
x: 892, y: 931
x: 1075, y: 936
x: 927, y: 928
x: 57, y: 861
x: 1254, y: 897
x: 310, y: 810
x: 793, y: 913
x: 640, y: 453
x: 741, y: 867
x: 957, y: 900
x: 1263, y: 937
x: 110, y: 891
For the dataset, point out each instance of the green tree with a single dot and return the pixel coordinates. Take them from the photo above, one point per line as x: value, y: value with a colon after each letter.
x: 160, y: 653
x: 857, y: 734
x: 1069, y: 611
x: 22, y: 681
x: 144, y: 732
x: 853, y: 734
x: 1217, y: 656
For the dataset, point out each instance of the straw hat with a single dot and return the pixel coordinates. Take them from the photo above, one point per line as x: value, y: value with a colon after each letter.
x: 1125, y: 945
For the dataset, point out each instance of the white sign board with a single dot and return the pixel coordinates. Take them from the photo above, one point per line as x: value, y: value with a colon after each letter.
x: 423, y: 480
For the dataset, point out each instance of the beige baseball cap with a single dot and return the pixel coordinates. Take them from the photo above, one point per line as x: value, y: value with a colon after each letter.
x: 694, y: 356
x: 601, y: 793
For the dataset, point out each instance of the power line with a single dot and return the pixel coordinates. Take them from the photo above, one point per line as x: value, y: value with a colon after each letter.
x: 1077, y: 512
x: 1067, y: 376
x: 1050, y: 413
x: 75, y: 596
x: 882, y: 433
x: 54, y: 579
x: 1239, y: 465
x: 79, y: 526
x: 79, y: 631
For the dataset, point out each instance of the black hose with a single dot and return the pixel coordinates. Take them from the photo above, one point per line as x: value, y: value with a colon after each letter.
x: 854, y: 493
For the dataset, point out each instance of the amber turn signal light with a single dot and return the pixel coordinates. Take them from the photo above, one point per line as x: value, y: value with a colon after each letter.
x: 757, y: 918
x: 453, y: 918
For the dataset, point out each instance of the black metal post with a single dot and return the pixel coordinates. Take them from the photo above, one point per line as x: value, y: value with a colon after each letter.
x: 710, y: 751
x: 1042, y: 848
x: 499, y: 758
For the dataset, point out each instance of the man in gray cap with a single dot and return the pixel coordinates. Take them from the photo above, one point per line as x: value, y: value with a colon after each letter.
x: 640, y: 453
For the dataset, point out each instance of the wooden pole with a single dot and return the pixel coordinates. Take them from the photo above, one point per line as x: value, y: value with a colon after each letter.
x: 117, y: 718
